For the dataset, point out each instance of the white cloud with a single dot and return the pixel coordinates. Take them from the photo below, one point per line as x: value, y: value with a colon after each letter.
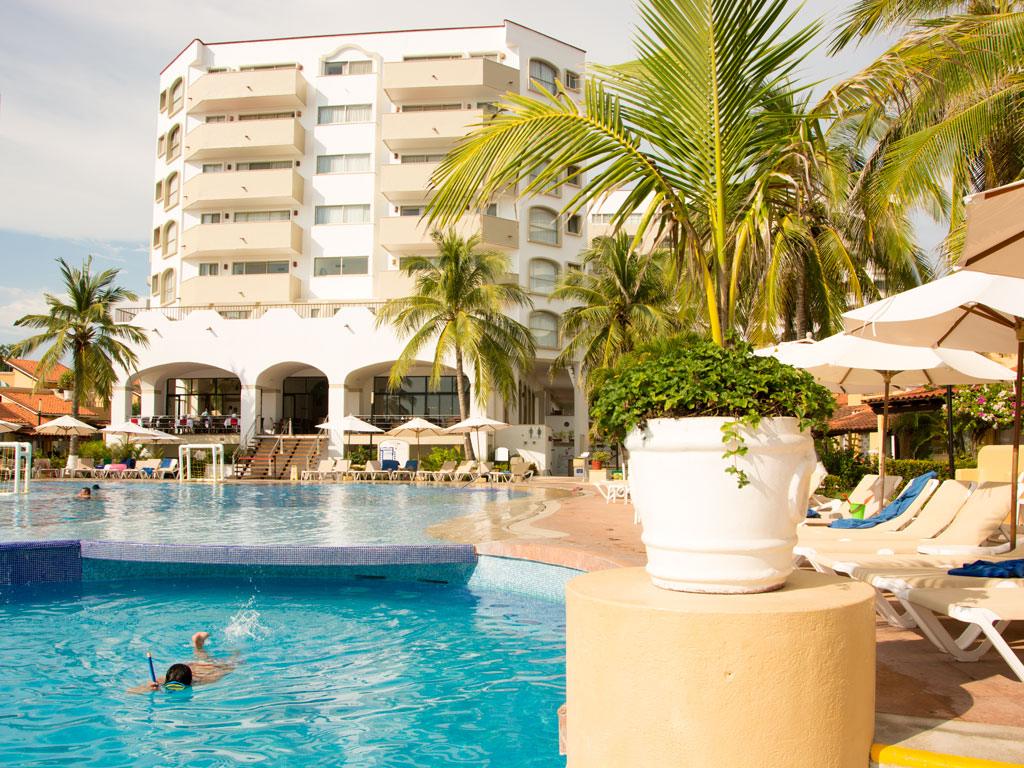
x: 16, y: 303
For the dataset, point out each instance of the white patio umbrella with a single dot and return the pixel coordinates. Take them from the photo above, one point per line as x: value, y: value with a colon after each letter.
x: 127, y: 430
x: 994, y: 241
x: 65, y: 426
x: 351, y: 424
x: 8, y: 426
x: 156, y: 437
x: 416, y: 427
x: 474, y: 425
x: 853, y: 364
x: 966, y: 310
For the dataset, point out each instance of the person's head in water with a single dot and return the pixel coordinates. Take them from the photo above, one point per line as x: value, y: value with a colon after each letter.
x: 95, y: 486
x: 85, y: 493
x: 179, y: 673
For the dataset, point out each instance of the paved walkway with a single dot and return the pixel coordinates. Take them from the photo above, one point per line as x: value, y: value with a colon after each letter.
x: 914, y: 678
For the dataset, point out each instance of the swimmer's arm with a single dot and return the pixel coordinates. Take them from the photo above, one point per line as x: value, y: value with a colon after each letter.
x: 147, y: 687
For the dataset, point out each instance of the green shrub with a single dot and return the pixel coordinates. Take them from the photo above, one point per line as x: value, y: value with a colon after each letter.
x: 439, y: 456
x: 687, y: 375
x: 845, y: 469
x: 360, y: 454
x: 97, y: 450
x: 601, y: 456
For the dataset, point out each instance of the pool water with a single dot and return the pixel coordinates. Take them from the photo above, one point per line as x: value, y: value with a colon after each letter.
x: 333, y: 673
x: 247, y: 513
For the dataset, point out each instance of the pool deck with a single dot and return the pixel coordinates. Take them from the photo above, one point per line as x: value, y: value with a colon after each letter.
x: 924, y: 700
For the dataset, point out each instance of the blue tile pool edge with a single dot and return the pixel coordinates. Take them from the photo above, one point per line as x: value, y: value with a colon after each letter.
x: 86, y: 560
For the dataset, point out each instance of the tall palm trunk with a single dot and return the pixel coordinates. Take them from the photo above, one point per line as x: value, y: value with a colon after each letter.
x: 76, y: 387
x: 801, y: 299
x: 460, y: 387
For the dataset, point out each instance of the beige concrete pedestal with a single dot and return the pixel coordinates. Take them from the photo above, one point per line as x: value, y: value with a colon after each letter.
x: 660, y: 679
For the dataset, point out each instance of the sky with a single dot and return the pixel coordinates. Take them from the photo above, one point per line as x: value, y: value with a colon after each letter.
x: 78, y: 106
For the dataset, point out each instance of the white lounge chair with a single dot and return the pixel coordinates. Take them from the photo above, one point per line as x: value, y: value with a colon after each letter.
x: 465, y: 471
x: 372, y: 471
x: 987, y: 611
x: 868, y: 492
x: 323, y: 468
x: 901, y: 521
x: 443, y: 473
x: 341, y: 469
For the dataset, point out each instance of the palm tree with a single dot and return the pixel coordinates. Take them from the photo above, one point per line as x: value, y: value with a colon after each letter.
x: 683, y: 128
x: 941, y: 110
x: 459, y: 305
x: 620, y: 302
x: 83, y: 329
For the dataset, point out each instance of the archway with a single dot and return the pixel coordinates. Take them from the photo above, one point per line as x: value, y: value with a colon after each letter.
x: 295, y: 397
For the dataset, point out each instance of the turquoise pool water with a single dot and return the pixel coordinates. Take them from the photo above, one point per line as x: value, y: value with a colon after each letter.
x: 249, y: 513
x: 333, y: 673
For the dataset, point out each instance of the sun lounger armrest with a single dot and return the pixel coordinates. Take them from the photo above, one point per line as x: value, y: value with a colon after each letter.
x: 962, y: 549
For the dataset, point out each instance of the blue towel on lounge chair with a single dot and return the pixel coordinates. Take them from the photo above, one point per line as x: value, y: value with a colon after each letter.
x: 895, y: 509
x: 1007, y: 569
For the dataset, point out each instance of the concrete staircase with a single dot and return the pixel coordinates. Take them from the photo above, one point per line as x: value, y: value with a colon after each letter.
x: 272, y: 457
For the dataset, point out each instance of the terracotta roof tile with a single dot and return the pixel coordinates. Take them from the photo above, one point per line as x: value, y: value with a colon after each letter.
x: 29, y: 368
x: 16, y: 415
x: 853, y: 418
x: 910, y: 396
x: 47, y: 403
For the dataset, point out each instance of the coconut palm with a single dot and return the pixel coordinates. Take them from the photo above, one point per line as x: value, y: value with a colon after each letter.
x: 683, y: 128
x: 459, y: 305
x: 82, y: 329
x: 944, y: 102
x: 619, y: 301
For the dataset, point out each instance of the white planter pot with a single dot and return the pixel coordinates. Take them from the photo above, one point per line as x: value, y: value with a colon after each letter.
x: 702, y: 532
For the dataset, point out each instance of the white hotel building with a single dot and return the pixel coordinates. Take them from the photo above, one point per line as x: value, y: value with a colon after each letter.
x: 289, y: 181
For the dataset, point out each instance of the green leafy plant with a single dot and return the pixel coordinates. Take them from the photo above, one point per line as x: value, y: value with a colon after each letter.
x: 97, y: 450
x: 687, y: 375
x: 439, y: 456
x: 360, y: 454
x: 601, y: 456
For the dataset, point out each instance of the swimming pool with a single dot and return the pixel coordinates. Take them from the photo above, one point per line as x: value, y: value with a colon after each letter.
x: 378, y: 674
x: 346, y: 514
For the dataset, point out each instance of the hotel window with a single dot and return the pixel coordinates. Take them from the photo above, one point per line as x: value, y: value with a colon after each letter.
x: 543, y: 74
x: 154, y: 285
x: 491, y: 209
x: 267, y: 116
x: 161, y: 146
x: 416, y: 397
x: 215, y: 70
x: 209, y: 269
x: 163, y: 101
x: 259, y: 268
x: 343, y: 163
x: 173, y: 143
x: 170, y: 238
x: 606, y: 218
x: 171, y: 191
x: 266, y: 67
x: 434, y: 57
x: 488, y: 107
x: 544, y: 327
x: 251, y: 216
x: 430, y: 108
x: 216, y: 119
x: 167, y: 287
x: 263, y: 165
x: 574, y: 224
x: 350, y: 113
x: 572, y: 80
x: 156, y: 236
x: 543, y: 276
x: 341, y: 265
x: 410, y: 210
x: 342, y: 214
x: 159, y: 190
x: 422, y: 158
x: 177, y: 96
x: 544, y: 226
x: 210, y: 218
x: 557, y: 191
x: 348, y: 67
x: 574, y: 176
x: 213, y: 167
x: 491, y: 56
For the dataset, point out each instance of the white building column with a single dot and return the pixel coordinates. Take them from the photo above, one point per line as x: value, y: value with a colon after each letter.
x: 336, y: 412
x: 120, y: 404
x: 581, y: 415
x: 249, y: 413
x: 151, y: 401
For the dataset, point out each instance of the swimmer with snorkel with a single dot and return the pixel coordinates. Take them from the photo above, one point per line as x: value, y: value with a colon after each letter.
x: 203, y: 670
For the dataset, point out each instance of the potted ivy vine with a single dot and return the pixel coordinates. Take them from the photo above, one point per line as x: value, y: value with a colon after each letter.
x: 720, y: 458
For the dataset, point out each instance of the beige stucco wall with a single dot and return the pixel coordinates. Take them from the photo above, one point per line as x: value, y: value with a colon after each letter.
x: 665, y: 679
x: 221, y: 289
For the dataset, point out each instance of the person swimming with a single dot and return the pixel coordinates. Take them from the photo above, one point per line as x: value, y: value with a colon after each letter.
x: 203, y: 670
x: 85, y: 493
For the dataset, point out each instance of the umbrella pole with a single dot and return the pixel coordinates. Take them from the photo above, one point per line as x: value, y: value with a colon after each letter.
x: 1016, y: 435
x: 949, y: 431
x: 887, y: 378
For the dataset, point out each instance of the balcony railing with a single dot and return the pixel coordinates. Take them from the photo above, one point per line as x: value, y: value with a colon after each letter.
x: 246, y: 139
x: 248, y: 90
x: 252, y: 311
x: 471, y: 79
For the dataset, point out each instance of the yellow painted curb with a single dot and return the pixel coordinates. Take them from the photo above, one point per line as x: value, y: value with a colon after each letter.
x: 917, y: 758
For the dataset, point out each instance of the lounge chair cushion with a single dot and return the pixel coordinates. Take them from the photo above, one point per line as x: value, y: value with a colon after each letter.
x: 1007, y: 569
x: 895, y: 509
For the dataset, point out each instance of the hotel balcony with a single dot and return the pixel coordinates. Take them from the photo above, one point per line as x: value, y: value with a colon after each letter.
x: 274, y: 188
x: 265, y: 89
x: 411, y: 235
x: 246, y: 139
x: 427, y: 130
x: 218, y: 289
x: 464, y: 79
x: 407, y: 182
x: 255, y: 238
